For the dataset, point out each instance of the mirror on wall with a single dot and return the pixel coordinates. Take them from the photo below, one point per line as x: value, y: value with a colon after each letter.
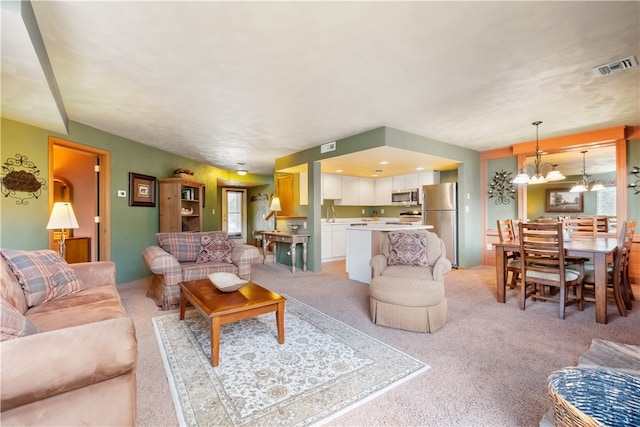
x: 291, y: 188
x: 62, y: 190
x: 599, y: 164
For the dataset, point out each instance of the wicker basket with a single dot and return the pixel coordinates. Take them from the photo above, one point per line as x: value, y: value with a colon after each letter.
x: 594, y: 397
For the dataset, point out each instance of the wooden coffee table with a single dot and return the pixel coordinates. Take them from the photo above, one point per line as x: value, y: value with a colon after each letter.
x: 225, y: 307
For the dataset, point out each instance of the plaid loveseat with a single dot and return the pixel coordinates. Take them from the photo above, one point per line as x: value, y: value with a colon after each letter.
x: 179, y: 257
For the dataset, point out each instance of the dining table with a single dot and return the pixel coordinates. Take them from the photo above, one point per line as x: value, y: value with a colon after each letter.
x: 598, y: 250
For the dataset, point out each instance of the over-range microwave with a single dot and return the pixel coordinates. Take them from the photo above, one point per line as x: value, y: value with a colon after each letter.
x: 407, y: 197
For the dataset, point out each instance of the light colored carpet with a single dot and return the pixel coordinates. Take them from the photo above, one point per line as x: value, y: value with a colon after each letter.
x: 489, y: 362
x: 323, y: 369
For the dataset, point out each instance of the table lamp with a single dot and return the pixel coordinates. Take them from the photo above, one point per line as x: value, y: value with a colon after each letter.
x: 62, y: 217
x: 274, y: 208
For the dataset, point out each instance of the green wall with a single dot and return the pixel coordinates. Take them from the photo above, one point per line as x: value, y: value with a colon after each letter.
x: 500, y: 211
x: 132, y: 228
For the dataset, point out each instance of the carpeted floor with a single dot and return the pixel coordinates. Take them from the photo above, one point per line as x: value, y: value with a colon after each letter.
x: 489, y: 363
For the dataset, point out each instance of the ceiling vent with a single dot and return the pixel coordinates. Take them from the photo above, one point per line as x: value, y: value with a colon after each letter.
x: 616, y: 66
x: 329, y: 146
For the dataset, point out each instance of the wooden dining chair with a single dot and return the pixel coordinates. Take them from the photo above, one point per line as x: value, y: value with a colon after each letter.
x: 581, y: 228
x: 602, y: 222
x: 544, y: 265
x: 506, y: 232
x: 617, y: 273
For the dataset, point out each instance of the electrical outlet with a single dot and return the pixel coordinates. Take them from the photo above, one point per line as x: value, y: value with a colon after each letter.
x: 122, y: 193
x: 489, y: 246
x: 362, y: 211
x: 213, y: 211
x: 381, y: 211
x: 304, y: 225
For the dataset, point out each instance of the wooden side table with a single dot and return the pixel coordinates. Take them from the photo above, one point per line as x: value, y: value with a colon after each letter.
x: 283, y: 237
x: 78, y: 249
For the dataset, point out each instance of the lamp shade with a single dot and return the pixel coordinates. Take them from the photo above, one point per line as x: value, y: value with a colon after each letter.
x: 275, y: 204
x: 62, y: 216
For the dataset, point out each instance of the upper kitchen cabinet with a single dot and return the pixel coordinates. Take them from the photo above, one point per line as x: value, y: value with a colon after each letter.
x: 332, y: 186
x: 384, y: 187
x: 428, y: 178
x: 366, y: 191
x: 398, y: 182
x: 349, y: 192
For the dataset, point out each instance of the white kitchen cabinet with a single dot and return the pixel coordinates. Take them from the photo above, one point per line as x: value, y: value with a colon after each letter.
x: 349, y: 192
x: 427, y: 178
x: 411, y: 180
x: 398, y: 183
x: 334, y: 241
x: 304, y: 188
x: 339, y: 241
x: 332, y: 186
x: 383, y: 189
x: 366, y: 191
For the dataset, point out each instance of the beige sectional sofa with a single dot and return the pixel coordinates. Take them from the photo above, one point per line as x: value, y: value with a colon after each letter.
x: 192, y: 256
x: 70, y: 360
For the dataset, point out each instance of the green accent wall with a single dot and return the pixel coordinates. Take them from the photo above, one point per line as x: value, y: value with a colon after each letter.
x: 500, y: 211
x: 132, y: 228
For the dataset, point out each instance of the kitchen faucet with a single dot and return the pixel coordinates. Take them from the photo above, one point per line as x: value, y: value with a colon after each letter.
x: 332, y: 217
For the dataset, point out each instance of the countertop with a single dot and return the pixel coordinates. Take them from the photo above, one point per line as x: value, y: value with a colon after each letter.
x: 389, y: 227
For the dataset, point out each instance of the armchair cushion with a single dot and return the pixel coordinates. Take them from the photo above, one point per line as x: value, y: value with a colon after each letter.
x: 215, y: 248
x: 43, y: 275
x: 408, y: 249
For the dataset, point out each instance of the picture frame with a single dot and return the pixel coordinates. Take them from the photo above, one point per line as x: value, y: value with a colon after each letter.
x: 563, y: 200
x: 142, y: 190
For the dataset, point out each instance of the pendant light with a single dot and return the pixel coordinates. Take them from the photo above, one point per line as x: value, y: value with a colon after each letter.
x: 538, y: 178
x: 584, y: 184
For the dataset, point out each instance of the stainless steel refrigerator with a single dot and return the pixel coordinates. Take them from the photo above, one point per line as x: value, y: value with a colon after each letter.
x: 440, y: 209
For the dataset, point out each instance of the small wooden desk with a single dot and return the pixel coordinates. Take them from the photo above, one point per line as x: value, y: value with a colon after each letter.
x: 283, y: 237
x: 224, y: 307
x: 597, y: 250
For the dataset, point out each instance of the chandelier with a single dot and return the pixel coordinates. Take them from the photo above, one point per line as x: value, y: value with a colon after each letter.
x: 584, y: 184
x: 538, y: 177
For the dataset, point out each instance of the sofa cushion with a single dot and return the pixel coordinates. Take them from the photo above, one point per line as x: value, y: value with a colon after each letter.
x: 89, y: 306
x: 408, y: 249
x: 44, y: 275
x: 13, y: 324
x: 407, y: 292
x: 10, y: 288
x: 215, y: 248
x: 197, y: 271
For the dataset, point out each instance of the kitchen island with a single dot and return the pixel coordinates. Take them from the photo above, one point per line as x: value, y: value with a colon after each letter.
x: 363, y: 242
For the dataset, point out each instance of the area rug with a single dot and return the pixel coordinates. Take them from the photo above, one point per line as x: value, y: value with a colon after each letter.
x: 323, y: 369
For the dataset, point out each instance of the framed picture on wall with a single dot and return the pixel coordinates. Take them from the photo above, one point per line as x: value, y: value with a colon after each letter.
x: 142, y: 190
x: 563, y: 200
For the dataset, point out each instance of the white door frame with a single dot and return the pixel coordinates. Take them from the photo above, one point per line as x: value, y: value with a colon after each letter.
x: 225, y: 209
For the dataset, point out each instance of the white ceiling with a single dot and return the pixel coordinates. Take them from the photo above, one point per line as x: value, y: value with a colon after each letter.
x: 248, y: 82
